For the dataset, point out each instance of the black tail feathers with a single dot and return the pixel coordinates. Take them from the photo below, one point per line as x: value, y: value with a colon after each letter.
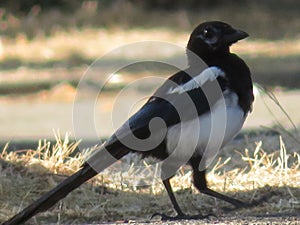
x: 98, y: 161
x: 53, y: 196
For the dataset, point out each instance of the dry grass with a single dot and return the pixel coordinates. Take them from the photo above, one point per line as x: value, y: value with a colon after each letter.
x: 67, y: 55
x: 125, y: 191
x: 93, y: 43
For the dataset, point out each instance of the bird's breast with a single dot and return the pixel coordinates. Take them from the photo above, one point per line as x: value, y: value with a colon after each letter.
x: 207, y: 133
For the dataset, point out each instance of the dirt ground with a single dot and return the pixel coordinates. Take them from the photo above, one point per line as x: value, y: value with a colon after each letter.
x: 290, y: 220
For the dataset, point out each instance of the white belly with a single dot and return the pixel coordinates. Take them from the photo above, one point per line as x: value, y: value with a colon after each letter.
x: 207, y: 134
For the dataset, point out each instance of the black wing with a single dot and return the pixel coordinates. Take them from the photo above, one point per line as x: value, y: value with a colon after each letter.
x: 171, y: 107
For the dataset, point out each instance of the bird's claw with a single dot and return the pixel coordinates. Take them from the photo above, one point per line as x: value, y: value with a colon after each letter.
x: 246, y: 205
x: 165, y: 217
x: 257, y: 202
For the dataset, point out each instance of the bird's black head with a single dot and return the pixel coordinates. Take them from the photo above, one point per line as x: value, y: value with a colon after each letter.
x: 212, y: 38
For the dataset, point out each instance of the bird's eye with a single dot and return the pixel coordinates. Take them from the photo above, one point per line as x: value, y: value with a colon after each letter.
x: 208, y: 33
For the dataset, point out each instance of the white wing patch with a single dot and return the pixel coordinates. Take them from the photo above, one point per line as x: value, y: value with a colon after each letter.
x: 210, y: 73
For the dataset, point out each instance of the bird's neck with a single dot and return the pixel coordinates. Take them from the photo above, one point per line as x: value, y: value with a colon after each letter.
x: 207, y: 56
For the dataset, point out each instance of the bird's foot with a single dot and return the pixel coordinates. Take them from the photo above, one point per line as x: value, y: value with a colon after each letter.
x: 254, y: 203
x: 262, y: 199
x: 165, y: 217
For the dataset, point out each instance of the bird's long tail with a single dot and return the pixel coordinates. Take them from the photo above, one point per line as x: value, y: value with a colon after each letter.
x: 89, y: 170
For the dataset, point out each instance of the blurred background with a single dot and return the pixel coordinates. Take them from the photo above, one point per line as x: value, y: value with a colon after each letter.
x: 46, y: 46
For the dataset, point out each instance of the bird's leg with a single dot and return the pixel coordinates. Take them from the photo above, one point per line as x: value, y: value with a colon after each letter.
x: 172, y: 197
x: 235, y: 202
x: 201, y: 185
x: 180, y: 215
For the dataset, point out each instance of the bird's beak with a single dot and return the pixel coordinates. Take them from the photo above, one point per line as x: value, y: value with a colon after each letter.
x: 234, y: 36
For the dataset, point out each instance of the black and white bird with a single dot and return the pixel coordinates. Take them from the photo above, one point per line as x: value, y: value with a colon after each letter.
x: 187, y: 103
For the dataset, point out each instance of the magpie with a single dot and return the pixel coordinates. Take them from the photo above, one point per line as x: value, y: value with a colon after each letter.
x: 180, y: 123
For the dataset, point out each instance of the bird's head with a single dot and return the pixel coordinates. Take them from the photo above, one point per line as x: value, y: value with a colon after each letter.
x: 211, y: 38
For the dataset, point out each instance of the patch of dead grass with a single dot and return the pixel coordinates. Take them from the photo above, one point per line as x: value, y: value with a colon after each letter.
x: 129, y: 190
x: 93, y: 43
